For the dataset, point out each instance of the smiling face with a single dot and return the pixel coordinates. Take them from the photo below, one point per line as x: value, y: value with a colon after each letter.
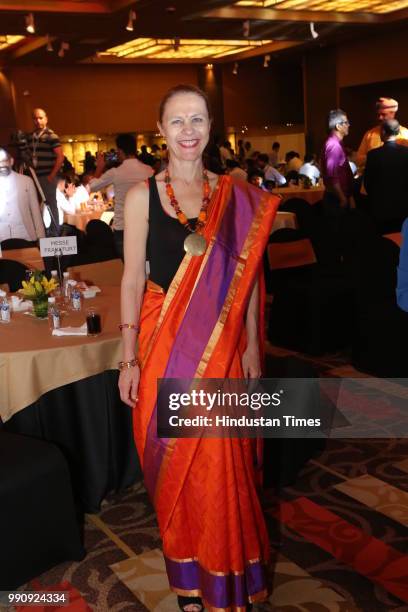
x: 186, y: 126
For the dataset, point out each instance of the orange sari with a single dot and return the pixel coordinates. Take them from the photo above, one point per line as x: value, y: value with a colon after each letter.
x: 215, y: 542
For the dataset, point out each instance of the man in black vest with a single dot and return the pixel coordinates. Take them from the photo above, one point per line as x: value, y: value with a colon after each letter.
x: 386, y: 180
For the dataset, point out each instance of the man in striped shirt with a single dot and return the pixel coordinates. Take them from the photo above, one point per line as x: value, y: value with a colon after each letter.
x: 47, y: 158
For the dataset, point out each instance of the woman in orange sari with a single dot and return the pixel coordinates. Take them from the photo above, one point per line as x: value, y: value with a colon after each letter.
x: 198, y: 317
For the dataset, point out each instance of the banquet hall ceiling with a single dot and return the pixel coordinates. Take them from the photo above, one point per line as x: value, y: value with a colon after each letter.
x: 181, y: 30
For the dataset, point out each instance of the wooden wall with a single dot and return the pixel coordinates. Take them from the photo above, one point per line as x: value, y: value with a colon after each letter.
x: 259, y: 96
x: 96, y: 99
x: 7, y: 114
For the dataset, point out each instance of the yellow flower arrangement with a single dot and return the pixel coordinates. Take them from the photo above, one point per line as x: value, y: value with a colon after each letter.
x: 38, y: 287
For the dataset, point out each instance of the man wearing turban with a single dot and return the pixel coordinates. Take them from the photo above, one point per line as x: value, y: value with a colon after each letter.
x: 386, y: 109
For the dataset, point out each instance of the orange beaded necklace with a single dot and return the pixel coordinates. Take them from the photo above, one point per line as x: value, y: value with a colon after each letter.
x: 195, y: 243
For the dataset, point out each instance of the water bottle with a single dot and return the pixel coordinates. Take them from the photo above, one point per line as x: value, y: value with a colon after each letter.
x: 5, y: 311
x: 76, y: 299
x: 66, y: 288
x: 57, y: 292
x: 54, y: 317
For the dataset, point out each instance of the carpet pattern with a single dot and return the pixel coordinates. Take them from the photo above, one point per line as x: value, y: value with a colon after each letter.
x: 339, y: 532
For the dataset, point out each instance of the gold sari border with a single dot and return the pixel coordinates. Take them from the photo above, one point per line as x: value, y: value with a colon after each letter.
x: 219, y: 326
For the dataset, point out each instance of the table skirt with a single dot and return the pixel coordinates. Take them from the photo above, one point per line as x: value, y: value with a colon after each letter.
x: 93, y: 428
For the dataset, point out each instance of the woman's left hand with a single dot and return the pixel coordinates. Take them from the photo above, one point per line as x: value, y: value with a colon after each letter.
x: 251, y: 364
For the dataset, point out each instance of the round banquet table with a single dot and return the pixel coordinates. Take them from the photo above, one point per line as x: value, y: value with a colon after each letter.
x: 30, y: 257
x: 80, y: 219
x: 312, y: 195
x: 64, y: 389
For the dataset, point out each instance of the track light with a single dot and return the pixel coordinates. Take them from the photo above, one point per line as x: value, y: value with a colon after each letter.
x: 64, y: 47
x: 132, y: 18
x: 313, y: 31
x: 30, y: 25
x: 50, y: 48
x: 267, y: 59
x: 235, y: 68
x: 246, y: 26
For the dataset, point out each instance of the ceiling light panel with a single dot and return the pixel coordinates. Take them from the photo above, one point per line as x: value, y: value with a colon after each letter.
x: 344, y: 6
x: 152, y: 48
x: 7, y: 40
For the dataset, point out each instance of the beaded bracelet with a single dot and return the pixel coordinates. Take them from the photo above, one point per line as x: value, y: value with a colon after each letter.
x: 129, y: 326
x: 126, y: 365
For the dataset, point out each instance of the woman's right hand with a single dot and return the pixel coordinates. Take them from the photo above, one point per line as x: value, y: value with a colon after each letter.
x: 129, y: 384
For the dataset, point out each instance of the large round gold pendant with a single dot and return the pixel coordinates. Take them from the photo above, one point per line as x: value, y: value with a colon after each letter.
x: 195, y: 244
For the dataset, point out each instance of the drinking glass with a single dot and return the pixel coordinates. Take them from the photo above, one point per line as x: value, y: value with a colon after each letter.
x: 93, y: 322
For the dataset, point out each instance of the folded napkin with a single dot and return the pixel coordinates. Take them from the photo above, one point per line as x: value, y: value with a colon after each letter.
x: 70, y: 331
x: 90, y: 292
x: 20, y: 305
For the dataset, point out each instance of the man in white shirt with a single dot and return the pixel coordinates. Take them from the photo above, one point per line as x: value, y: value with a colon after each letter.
x: 130, y: 172
x: 310, y: 169
x: 270, y: 173
x: 20, y: 215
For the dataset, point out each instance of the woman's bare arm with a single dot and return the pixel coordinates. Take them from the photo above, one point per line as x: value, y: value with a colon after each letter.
x: 133, y: 283
x: 250, y: 359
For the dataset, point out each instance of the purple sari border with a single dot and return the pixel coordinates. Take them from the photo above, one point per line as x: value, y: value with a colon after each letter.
x: 221, y: 591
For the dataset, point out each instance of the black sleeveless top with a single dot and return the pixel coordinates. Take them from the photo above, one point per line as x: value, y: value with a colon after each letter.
x: 165, y: 240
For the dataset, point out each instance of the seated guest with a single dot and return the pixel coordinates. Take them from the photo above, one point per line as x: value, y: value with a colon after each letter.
x: 270, y: 173
x: 64, y: 202
x: 256, y: 177
x: 20, y: 214
x: 292, y: 177
x: 233, y: 168
x: 70, y: 195
x: 269, y: 186
x: 402, y: 286
x: 386, y: 180
x: 310, y: 169
x: 293, y: 162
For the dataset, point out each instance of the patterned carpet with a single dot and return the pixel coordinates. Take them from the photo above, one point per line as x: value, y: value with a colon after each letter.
x: 339, y: 532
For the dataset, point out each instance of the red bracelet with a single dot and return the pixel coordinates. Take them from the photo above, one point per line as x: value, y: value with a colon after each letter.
x: 129, y: 326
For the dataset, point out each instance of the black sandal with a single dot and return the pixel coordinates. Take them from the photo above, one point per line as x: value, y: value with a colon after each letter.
x: 188, y: 601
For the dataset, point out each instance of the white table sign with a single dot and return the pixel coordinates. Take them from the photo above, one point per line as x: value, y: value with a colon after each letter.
x: 65, y: 245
